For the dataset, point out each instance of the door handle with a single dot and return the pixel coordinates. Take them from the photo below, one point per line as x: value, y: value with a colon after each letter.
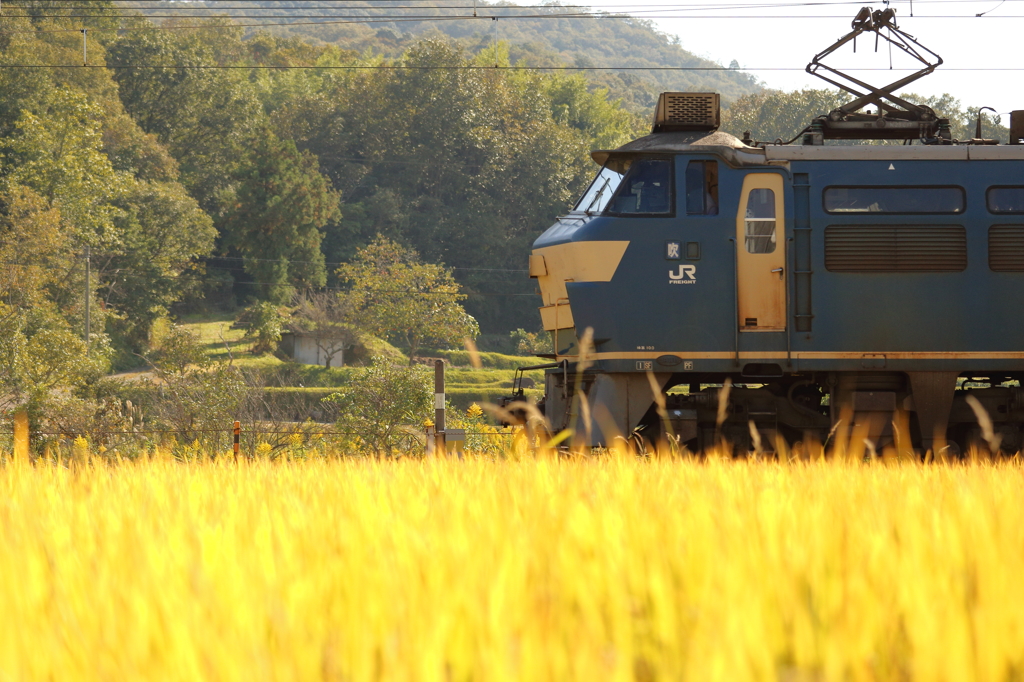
x: 780, y: 271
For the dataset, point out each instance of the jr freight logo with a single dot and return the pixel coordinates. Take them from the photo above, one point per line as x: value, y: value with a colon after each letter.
x: 684, y: 274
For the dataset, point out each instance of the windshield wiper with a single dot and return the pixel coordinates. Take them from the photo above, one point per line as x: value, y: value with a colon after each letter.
x: 599, y: 194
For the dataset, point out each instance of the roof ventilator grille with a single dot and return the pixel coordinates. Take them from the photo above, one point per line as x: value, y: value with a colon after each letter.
x: 685, y: 111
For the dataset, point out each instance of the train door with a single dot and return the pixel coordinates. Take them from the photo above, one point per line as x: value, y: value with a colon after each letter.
x: 761, y: 254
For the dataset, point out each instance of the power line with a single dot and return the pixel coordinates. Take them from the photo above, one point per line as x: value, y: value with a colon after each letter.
x: 406, y: 67
x: 327, y: 263
x: 115, y: 275
x: 327, y: 22
x: 385, y: 17
x: 313, y: 4
x: 378, y: 19
x: 552, y: 10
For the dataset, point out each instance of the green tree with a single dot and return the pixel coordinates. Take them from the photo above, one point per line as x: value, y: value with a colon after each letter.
x: 393, y: 294
x: 177, y: 350
x: 57, y: 152
x: 605, y: 122
x: 772, y: 115
x: 197, y: 396
x: 145, y: 235
x: 207, y: 118
x: 280, y: 206
x: 429, y: 155
x: 531, y: 343
x: 263, y: 322
x: 162, y: 233
x: 41, y: 341
x: 963, y: 121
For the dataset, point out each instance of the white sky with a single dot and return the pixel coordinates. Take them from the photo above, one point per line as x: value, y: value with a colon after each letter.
x: 963, y: 41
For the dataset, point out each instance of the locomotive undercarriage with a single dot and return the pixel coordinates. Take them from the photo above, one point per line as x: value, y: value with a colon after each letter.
x: 797, y: 408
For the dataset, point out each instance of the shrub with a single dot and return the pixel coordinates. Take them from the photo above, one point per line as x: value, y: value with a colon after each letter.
x: 176, y: 350
x: 263, y: 324
x: 380, y: 400
x: 531, y: 343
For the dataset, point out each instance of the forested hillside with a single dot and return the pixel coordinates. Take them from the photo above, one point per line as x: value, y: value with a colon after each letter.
x: 550, y: 35
x: 200, y: 179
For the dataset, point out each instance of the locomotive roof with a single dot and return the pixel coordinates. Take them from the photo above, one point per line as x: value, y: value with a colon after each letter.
x: 733, y: 151
x: 672, y: 143
x: 921, y: 152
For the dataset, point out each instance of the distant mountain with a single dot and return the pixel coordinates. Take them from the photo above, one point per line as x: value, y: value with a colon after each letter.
x: 556, y: 38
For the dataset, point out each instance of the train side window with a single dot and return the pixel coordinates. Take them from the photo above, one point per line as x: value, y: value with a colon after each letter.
x: 894, y: 200
x: 1005, y: 199
x: 702, y: 188
x: 645, y: 190
x: 760, y: 221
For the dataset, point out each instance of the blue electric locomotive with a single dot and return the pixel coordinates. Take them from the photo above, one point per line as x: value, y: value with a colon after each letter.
x: 881, y: 277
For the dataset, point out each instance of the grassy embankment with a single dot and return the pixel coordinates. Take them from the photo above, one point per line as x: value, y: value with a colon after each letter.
x: 465, y: 384
x: 596, y: 568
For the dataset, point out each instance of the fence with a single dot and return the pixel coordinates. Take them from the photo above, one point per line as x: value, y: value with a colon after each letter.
x: 258, y: 436
x: 249, y: 440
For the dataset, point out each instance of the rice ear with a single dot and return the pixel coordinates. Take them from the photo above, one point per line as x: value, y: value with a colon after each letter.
x: 537, y: 429
x: 755, y: 437
x: 501, y: 413
x: 587, y: 419
x: 474, y: 354
x: 659, y: 401
x: 723, y: 413
x: 985, y: 422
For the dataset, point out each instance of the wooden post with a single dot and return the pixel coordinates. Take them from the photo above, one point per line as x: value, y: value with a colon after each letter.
x: 88, y: 292
x: 21, y: 436
x: 238, y: 437
x: 440, y: 447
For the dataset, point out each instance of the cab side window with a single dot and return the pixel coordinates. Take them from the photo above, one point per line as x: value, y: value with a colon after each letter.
x: 645, y: 190
x: 760, y: 221
x: 702, y: 188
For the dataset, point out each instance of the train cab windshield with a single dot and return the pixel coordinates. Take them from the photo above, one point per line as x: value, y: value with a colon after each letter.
x: 632, y: 187
x: 600, y: 191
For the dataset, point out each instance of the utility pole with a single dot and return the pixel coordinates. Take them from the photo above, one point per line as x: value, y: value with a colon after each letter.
x: 88, y: 297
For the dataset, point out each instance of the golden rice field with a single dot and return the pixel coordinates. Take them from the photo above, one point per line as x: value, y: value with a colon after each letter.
x: 607, y: 568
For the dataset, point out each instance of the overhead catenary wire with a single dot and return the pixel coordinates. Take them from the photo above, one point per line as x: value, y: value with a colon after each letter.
x: 377, y: 18
x: 385, y: 19
x: 313, y: 4
x: 409, y: 67
x: 501, y: 11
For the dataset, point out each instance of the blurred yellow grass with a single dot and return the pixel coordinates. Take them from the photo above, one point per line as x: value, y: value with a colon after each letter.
x: 603, y: 568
